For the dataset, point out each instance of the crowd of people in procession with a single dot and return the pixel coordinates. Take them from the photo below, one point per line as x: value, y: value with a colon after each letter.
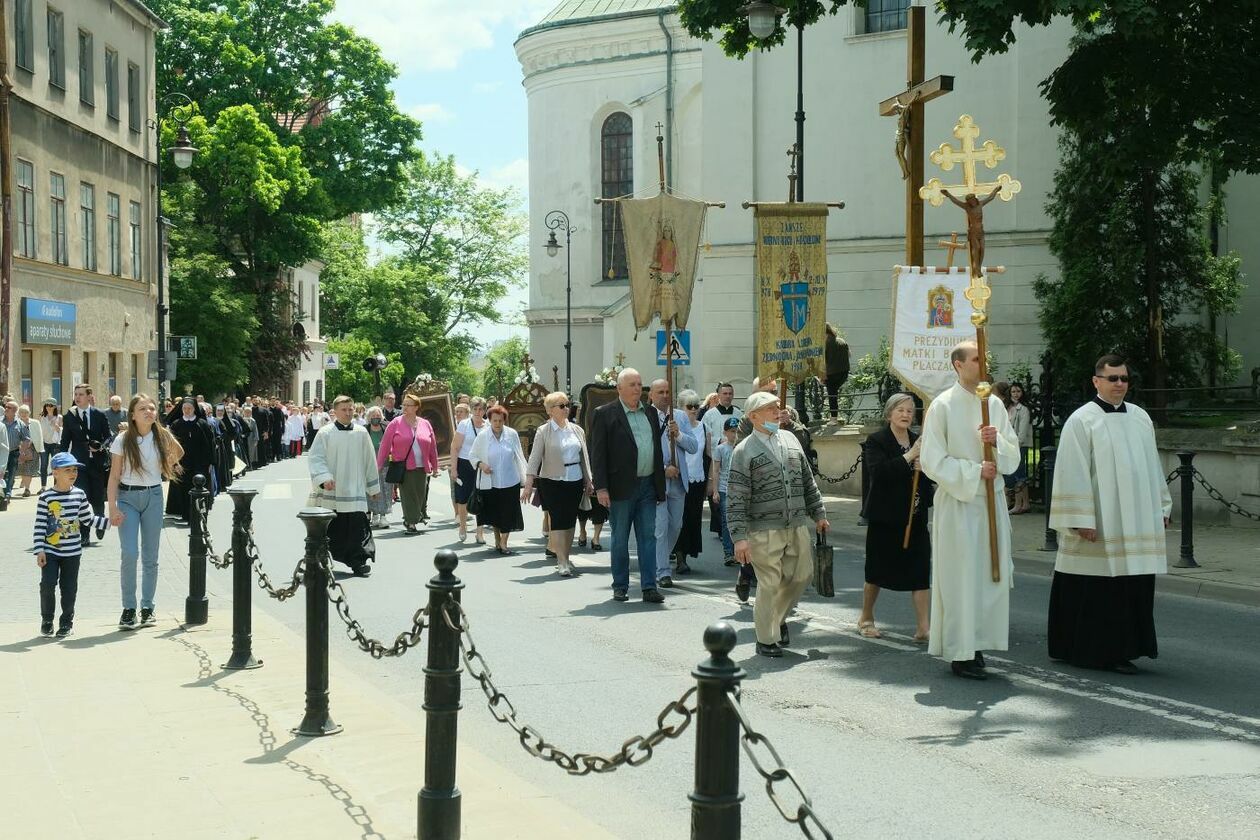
x: 647, y: 463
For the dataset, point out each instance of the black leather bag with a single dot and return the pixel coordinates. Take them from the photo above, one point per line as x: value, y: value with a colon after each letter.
x: 824, y: 568
x: 394, y: 471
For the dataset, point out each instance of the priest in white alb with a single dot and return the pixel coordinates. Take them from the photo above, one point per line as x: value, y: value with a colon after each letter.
x: 1110, y: 506
x: 970, y: 612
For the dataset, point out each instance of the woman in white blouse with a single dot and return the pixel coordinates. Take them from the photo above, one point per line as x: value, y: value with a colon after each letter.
x: 559, y: 462
x: 689, y: 543
x: 50, y: 428
x: 463, y: 475
x: 500, y: 464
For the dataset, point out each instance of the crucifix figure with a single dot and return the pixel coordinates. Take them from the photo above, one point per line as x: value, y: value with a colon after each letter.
x: 621, y: 360
x: 950, y: 245
x: 907, y: 107
x: 974, y: 208
x: 793, y: 153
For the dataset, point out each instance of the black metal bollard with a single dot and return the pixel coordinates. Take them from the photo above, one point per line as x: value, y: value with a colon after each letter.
x: 196, y: 605
x: 715, y: 802
x: 1047, y: 483
x: 242, y: 579
x: 438, y: 806
x: 1186, y: 560
x: 317, y: 721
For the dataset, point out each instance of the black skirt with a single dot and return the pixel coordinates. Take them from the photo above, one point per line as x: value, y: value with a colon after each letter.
x: 689, y: 540
x: 597, y: 515
x: 501, y: 509
x: 889, y: 566
x: 1098, y: 622
x: 561, y: 499
x: 467, y: 474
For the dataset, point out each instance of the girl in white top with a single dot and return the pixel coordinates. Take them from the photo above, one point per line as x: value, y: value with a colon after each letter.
x: 462, y: 473
x: 50, y: 428
x: 142, y: 456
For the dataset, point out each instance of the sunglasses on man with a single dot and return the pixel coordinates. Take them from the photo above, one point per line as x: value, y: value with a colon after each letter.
x: 1113, y: 377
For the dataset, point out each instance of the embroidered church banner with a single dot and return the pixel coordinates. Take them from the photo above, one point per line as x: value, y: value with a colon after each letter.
x: 662, y: 246
x: 791, y: 290
x: 930, y: 315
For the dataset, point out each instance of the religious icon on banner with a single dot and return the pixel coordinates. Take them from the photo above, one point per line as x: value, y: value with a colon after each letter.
x: 795, y: 298
x: 662, y: 250
x: 940, y: 307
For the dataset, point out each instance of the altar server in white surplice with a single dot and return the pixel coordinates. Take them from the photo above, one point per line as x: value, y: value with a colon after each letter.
x: 970, y: 613
x: 1110, y: 506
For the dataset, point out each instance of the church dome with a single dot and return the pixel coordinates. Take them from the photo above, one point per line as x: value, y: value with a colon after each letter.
x: 576, y: 12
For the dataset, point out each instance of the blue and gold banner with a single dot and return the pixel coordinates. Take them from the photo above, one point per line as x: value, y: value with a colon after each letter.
x: 791, y: 290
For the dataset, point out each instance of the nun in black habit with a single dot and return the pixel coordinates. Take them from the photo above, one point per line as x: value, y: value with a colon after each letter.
x: 187, y: 423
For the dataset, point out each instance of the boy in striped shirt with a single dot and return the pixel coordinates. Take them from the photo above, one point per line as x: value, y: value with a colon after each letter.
x: 61, y: 513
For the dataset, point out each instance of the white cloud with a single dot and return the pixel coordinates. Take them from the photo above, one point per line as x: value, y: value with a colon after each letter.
x: 435, y: 34
x: 431, y: 112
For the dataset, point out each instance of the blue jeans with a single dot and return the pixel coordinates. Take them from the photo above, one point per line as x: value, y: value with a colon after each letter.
x: 10, y: 471
x: 140, y: 535
x: 727, y: 545
x: 639, y: 510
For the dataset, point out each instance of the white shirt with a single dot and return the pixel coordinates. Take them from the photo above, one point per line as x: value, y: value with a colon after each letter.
x: 571, y: 448
x: 470, y: 433
x: 695, y: 460
x: 151, y: 465
x: 503, y: 454
x: 51, y: 429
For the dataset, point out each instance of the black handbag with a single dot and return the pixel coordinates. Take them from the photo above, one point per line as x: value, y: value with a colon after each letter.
x: 824, y: 568
x: 476, y: 504
x: 394, y: 472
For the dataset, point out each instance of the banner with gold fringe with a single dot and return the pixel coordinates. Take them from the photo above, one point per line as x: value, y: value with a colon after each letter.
x: 791, y: 290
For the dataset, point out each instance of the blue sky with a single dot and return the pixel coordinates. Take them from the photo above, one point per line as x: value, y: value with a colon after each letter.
x: 459, y: 76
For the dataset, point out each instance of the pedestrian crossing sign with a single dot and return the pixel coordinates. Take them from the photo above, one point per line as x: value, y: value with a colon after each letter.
x: 679, y: 347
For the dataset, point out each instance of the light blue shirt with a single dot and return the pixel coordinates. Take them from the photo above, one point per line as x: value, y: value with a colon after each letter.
x: 641, y: 428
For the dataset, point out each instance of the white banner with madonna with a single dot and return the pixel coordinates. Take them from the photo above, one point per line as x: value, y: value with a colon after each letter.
x: 930, y: 316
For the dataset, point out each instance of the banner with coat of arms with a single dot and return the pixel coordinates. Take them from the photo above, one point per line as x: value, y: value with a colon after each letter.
x: 930, y: 316
x: 791, y: 290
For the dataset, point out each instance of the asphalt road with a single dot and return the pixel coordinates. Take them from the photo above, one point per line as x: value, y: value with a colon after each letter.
x: 886, y: 742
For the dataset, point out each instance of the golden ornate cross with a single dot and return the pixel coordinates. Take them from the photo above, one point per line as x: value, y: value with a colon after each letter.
x: 946, y: 157
x: 621, y: 360
x: 952, y: 244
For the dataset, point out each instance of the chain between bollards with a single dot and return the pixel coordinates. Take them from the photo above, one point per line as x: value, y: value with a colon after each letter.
x: 317, y: 720
x: 197, y: 605
x: 242, y: 657
x: 439, y: 802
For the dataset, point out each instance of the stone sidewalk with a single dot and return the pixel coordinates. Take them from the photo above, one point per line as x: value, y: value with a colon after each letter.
x: 142, y: 734
x: 1228, y: 558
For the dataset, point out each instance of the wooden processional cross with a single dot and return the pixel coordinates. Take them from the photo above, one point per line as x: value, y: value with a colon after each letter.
x: 971, y: 196
x: 907, y: 107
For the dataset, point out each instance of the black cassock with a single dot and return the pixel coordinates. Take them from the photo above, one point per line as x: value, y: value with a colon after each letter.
x: 277, y: 432
x: 197, y: 439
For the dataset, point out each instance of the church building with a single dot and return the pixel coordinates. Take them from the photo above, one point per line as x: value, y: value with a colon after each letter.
x: 600, y: 75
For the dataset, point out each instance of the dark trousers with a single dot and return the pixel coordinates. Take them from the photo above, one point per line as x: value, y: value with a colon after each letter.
x: 277, y: 447
x: 63, y: 571
x: 834, y: 384
x: 10, y: 470
x: 350, y: 539
x: 92, y: 482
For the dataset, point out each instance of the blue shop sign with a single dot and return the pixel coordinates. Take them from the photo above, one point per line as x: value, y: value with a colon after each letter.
x: 48, y: 321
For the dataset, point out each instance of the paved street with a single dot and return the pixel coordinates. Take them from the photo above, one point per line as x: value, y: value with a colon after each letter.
x: 885, y: 741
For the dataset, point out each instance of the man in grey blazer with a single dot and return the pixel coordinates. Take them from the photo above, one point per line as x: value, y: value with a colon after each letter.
x: 669, y: 512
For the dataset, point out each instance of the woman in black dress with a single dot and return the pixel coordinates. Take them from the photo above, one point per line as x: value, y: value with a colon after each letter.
x: 188, y: 423
x: 891, y: 458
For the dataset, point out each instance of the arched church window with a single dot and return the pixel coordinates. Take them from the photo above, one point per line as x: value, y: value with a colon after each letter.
x: 617, y: 179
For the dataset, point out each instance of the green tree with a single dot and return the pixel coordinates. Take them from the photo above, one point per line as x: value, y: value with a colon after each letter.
x: 297, y: 126
x: 702, y: 18
x: 503, y: 363
x: 1159, y: 96
x: 351, y: 379
x: 1097, y: 238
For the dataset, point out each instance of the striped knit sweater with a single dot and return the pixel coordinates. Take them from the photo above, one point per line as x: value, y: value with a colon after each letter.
x: 764, y: 494
x: 60, y: 518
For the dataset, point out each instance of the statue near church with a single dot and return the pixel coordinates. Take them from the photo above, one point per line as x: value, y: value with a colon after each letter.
x: 974, y: 208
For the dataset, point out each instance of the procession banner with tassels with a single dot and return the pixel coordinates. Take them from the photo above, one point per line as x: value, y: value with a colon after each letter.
x: 791, y: 290
x: 662, y: 248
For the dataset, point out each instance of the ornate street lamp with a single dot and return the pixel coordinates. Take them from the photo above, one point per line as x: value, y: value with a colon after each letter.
x: 559, y: 220
x: 183, y: 152
x: 763, y: 18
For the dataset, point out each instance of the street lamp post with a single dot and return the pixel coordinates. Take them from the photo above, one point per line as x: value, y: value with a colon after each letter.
x: 557, y: 220
x: 183, y: 152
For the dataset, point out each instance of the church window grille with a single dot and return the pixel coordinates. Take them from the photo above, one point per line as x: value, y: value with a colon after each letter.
x: 617, y: 177
x: 886, y: 15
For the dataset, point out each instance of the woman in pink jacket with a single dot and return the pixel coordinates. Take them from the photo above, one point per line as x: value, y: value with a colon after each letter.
x: 409, y: 438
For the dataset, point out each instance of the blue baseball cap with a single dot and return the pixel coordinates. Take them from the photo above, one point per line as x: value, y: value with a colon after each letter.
x: 64, y: 459
x: 731, y: 423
